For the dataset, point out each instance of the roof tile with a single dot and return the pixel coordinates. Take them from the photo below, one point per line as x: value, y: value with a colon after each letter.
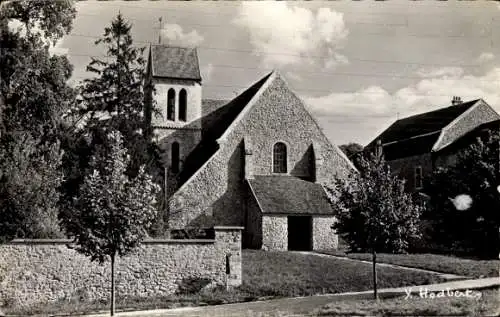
x: 175, y: 62
x: 290, y: 195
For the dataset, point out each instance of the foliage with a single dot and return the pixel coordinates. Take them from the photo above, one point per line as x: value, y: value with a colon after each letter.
x: 374, y: 212
x: 33, y: 85
x: 112, y: 100
x: 113, y: 212
x: 33, y: 96
x: 473, y: 230
x: 52, y: 19
x: 352, y: 150
x: 28, y: 188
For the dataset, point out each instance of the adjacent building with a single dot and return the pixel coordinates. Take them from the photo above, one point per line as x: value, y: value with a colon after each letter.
x: 416, y: 145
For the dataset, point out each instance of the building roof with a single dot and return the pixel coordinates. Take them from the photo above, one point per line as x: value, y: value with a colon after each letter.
x: 470, y: 136
x: 289, y: 195
x: 423, y: 123
x: 418, y: 134
x: 214, y: 124
x: 411, y: 147
x: 174, y: 62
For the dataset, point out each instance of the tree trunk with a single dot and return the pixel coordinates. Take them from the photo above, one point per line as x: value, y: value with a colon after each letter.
x: 374, y: 258
x: 113, y: 284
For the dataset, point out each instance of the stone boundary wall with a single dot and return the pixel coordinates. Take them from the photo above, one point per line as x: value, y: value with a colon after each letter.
x: 39, y: 271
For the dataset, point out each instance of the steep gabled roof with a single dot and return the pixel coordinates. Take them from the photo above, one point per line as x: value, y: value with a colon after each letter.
x: 289, y: 195
x: 417, y: 134
x: 174, y: 62
x: 470, y: 137
x: 214, y: 125
x: 423, y: 123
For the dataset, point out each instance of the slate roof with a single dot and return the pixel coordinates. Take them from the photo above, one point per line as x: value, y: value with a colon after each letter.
x: 214, y: 125
x: 418, y: 134
x: 423, y: 123
x: 174, y: 62
x: 289, y: 195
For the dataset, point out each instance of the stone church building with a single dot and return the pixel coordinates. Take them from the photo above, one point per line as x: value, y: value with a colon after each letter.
x: 257, y: 161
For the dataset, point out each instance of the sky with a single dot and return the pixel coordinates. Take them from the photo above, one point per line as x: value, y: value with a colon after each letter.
x: 358, y: 66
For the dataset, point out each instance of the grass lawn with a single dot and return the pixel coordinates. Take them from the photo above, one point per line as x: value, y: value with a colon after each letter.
x: 265, y: 275
x: 275, y: 273
x: 433, y: 262
x: 487, y: 305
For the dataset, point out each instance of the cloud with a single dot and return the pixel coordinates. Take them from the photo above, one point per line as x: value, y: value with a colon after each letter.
x: 284, y: 34
x: 293, y: 75
x: 425, y: 95
x: 174, y: 35
x: 485, y: 57
x: 206, y: 72
x: 453, y: 72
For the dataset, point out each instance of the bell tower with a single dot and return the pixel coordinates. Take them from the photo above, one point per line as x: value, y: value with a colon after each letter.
x: 173, y: 85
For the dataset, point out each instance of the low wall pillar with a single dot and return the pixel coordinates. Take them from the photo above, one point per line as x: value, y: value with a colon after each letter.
x: 231, y: 236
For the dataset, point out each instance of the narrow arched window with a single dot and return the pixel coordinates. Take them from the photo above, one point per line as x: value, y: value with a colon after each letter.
x: 279, y: 158
x: 183, y: 105
x: 175, y: 157
x: 171, y: 104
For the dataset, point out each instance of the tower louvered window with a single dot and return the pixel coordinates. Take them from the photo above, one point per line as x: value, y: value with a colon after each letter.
x: 183, y: 105
x: 171, y: 104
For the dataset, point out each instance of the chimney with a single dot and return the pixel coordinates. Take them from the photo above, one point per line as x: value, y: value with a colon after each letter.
x: 456, y: 101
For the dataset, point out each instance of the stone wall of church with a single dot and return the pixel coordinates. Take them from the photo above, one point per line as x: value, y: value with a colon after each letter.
x: 216, y: 190
x: 274, y: 232
x: 324, y: 236
x: 252, y: 234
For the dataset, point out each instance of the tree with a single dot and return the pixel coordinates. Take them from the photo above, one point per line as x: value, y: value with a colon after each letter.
x: 33, y: 96
x: 473, y: 230
x: 374, y: 213
x: 352, y: 150
x: 33, y: 83
x: 113, y: 212
x: 112, y: 100
x: 29, y: 189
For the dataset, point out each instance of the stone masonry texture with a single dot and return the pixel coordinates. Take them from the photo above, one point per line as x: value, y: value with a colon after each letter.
x: 478, y: 115
x: 274, y: 232
x: 34, y: 272
x: 217, y: 190
x: 324, y: 236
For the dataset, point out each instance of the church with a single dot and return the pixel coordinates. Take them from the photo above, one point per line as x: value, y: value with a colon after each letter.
x: 258, y: 161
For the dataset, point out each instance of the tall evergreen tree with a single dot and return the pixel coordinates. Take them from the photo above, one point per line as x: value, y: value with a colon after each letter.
x: 113, y: 100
